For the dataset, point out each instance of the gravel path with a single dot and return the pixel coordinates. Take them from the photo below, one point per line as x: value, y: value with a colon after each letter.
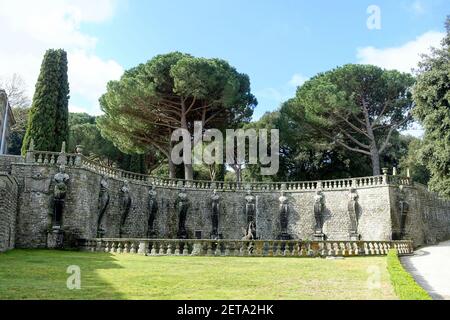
x: 430, y: 267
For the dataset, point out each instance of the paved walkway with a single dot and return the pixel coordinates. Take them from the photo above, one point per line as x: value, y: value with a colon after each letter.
x: 430, y: 267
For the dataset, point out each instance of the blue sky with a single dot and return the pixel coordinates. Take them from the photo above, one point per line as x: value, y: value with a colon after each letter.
x: 278, y: 44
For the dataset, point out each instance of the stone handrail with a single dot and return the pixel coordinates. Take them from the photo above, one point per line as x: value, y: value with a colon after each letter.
x: 53, y: 158
x: 256, y: 186
x: 255, y: 248
x: 76, y: 159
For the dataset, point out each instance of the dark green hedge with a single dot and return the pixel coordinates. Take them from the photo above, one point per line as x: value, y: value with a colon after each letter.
x: 404, y: 284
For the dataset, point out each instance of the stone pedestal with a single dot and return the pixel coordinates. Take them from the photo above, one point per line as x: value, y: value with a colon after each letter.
x: 197, y: 249
x: 284, y: 236
x: 354, y: 236
x: 213, y: 236
x: 100, y: 233
x: 319, y: 236
x: 182, y: 234
x: 55, y: 238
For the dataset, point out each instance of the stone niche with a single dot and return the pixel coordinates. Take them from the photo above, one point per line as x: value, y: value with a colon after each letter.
x: 428, y: 218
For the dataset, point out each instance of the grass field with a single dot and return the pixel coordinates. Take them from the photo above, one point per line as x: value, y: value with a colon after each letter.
x: 42, y: 274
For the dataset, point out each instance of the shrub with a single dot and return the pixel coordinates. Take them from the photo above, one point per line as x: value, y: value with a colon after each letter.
x: 404, y: 284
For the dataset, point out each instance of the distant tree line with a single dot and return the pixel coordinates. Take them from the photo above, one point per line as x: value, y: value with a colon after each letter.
x: 341, y: 123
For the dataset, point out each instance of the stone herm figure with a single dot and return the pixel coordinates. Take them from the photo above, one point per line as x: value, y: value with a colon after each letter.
x: 183, y: 205
x: 152, y: 210
x: 353, y: 213
x: 250, y: 211
x: 103, y: 203
x: 403, y: 209
x: 284, y: 211
x: 318, y: 212
x: 250, y: 206
x: 59, y: 195
x: 284, y: 216
x: 250, y: 232
x: 215, y: 198
x: 125, y: 205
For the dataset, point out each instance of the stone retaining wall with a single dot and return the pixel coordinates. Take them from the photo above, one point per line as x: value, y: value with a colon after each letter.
x: 378, y: 198
x: 8, y: 211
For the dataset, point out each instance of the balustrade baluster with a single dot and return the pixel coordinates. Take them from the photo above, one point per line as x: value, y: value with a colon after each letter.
x: 218, y: 251
x: 161, y: 248
x: 342, y: 249
x: 294, y: 251
x: 133, y: 247
x: 376, y: 249
x: 227, y: 249
x: 185, y: 248
x: 209, y: 251
x: 142, y: 247
x: 371, y: 248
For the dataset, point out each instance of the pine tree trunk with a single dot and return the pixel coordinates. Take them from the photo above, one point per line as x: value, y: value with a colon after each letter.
x: 188, y: 169
x: 188, y: 172
x: 172, y: 169
x: 375, y: 156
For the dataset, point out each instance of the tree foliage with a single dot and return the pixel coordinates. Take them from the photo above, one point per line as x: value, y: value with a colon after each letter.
x: 15, y: 88
x: 432, y: 96
x: 18, y: 130
x: 84, y: 131
x: 357, y: 107
x: 306, y: 156
x: 48, y: 116
x: 172, y: 91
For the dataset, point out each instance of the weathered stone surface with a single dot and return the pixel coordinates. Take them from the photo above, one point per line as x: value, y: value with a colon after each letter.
x: 8, y: 210
x: 27, y: 196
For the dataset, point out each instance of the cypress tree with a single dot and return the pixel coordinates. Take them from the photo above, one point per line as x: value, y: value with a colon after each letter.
x: 48, y: 116
x: 62, y: 107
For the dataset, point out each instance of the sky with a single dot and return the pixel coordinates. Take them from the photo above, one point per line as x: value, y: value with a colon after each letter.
x: 279, y: 44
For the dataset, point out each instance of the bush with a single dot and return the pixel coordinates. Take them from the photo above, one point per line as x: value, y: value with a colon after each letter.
x: 404, y: 284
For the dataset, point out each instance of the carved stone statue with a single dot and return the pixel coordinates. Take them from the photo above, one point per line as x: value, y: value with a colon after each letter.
x: 250, y: 211
x: 152, y: 210
x: 125, y: 205
x: 103, y: 203
x: 284, y: 216
x: 59, y: 195
x: 183, y: 206
x: 403, y: 207
x: 353, y: 213
x: 250, y: 232
x: 215, y: 198
x: 318, y: 212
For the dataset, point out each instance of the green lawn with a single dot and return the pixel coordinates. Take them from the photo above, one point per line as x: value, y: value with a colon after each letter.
x: 41, y: 274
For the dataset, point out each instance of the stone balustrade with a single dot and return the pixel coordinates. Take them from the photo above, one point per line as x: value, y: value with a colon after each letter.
x: 373, y: 181
x: 70, y: 159
x: 256, y: 248
x: 53, y: 158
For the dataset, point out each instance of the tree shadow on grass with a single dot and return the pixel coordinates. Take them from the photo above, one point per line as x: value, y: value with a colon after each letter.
x: 45, y: 274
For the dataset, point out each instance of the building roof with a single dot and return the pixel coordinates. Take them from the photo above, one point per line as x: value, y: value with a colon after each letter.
x: 11, y: 118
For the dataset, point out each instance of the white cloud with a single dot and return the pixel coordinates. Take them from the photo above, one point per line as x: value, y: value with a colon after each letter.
x: 417, y: 7
x: 297, y: 80
x: 403, y: 58
x: 88, y: 75
x: 31, y: 27
x: 272, y: 97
